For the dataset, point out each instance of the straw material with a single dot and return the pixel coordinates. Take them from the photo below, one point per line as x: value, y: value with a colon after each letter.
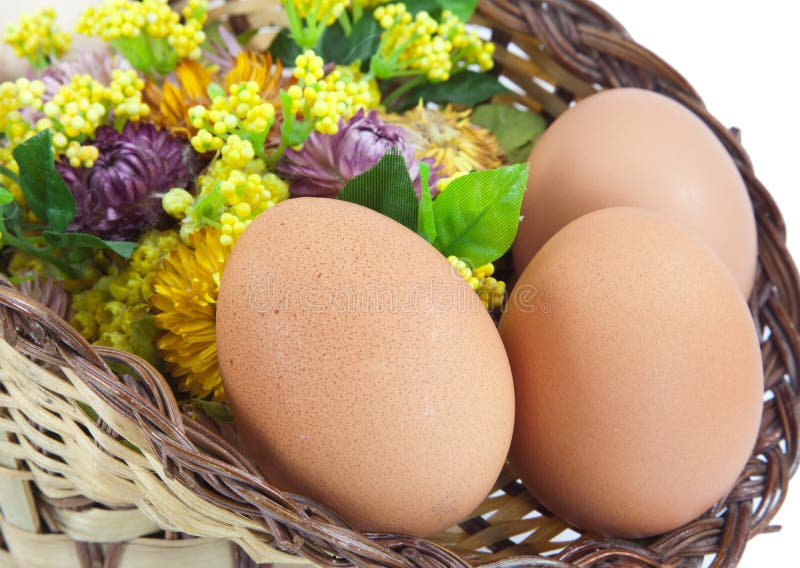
x: 80, y: 490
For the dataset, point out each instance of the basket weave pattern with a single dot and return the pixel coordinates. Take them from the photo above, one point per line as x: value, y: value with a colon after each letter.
x: 143, y: 465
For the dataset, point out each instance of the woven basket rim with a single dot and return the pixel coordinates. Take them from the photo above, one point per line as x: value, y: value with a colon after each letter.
x: 589, y: 47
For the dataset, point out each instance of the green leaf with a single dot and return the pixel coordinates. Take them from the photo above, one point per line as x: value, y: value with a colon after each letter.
x: 426, y: 226
x: 12, y: 214
x: 333, y: 44
x: 363, y: 40
x: 477, y: 216
x: 244, y: 38
x: 336, y: 46
x: 90, y: 412
x: 465, y: 88
x: 285, y: 48
x: 520, y: 154
x: 5, y: 196
x: 461, y: 8
x: 45, y: 192
x: 386, y: 188
x: 80, y: 240
x: 433, y: 7
x: 512, y: 127
x: 4, y: 171
x: 214, y: 410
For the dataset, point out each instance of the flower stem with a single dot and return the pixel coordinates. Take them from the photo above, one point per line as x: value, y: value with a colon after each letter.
x: 276, y: 155
x: 403, y: 89
x: 358, y: 11
x: 344, y: 20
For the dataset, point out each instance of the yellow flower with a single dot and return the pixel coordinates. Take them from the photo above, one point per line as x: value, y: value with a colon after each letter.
x: 491, y: 291
x: 123, y: 19
x: 260, y: 68
x: 186, y: 290
x: 37, y: 37
x: 228, y: 198
x: 450, y: 139
x: 171, y: 103
x: 107, y: 312
x: 367, y: 4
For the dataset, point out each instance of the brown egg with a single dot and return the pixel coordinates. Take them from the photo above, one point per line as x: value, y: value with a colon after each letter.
x: 361, y: 369
x: 631, y: 147
x: 637, y: 374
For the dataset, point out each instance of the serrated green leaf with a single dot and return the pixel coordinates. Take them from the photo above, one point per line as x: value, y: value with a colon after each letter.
x: 465, y: 88
x: 512, y: 127
x: 45, y: 192
x: 426, y: 227
x: 477, y: 216
x: 463, y: 9
x: 386, y: 188
x: 214, y: 410
x: 71, y: 241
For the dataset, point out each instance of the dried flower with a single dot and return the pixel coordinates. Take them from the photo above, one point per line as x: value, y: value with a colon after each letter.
x: 37, y: 37
x: 327, y: 162
x: 100, y: 64
x: 186, y: 291
x: 151, y: 36
x: 115, y: 311
x: 491, y: 291
x: 47, y: 291
x: 120, y: 197
x: 170, y: 104
x: 222, y: 53
x: 449, y: 139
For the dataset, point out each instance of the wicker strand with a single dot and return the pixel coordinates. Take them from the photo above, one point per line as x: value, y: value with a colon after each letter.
x: 143, y: 451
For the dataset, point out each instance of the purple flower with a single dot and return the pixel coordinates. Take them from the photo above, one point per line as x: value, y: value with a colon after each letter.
x: 326, y: 163
x: 119, y: 198
x: 99, y: 63
x: 223, y: 53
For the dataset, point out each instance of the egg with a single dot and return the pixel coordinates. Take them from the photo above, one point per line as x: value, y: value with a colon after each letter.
x: 637, y: 374
x: 361, y: 369
x: 631, y: 147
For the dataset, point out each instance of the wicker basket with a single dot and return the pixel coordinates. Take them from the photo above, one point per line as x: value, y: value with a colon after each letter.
x: 127, y: 489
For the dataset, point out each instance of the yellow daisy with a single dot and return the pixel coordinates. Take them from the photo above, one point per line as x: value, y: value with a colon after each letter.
x: 450, y: 139
x: 170, y: 104
x: 186, y: 289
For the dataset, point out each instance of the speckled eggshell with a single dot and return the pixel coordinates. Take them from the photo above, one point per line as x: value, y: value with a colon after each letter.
x: 361, y: 369
x: 631, y: 147
x: 637, y: 374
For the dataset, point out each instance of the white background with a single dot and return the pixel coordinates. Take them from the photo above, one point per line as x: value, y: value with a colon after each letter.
x: 742, y: 58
